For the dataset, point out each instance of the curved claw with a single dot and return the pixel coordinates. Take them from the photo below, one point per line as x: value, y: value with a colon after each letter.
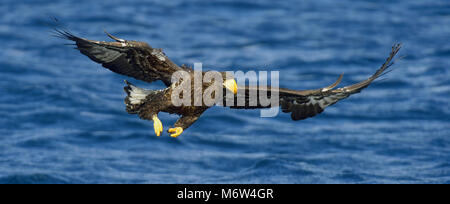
x: 176, y: 131
x: 157, y: 125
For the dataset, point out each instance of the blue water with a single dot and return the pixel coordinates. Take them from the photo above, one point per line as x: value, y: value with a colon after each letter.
x: 63, y: 119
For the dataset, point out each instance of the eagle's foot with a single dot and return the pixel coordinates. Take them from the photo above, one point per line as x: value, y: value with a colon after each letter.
x: 157, y: 125
x: 176, y: 131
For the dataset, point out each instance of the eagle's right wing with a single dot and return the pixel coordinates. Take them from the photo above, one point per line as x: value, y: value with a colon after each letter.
x: 131, y: 58
x: 308, y: 103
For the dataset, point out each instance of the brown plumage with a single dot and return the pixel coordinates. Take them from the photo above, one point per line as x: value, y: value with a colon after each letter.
x: 147, y: 103
x: 140, y: 61
x: 308, y: 103
x: 131, y: 58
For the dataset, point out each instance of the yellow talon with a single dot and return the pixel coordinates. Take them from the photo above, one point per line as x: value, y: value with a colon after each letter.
x: 157, y: 125
x: 176, y: 131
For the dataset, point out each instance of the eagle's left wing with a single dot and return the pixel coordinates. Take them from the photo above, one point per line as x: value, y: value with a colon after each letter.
x: 308, y: 103
x: 131, y: 58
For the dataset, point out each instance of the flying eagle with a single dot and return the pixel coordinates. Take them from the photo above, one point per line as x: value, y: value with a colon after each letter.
x: 140, y: 61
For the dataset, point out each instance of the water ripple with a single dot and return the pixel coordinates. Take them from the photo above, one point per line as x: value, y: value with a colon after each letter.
x: 64, y: 121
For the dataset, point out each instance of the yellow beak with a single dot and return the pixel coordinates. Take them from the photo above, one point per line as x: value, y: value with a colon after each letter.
x: 231, y: 85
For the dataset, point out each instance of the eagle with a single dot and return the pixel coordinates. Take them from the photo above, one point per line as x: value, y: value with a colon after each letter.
x: 141, y: 61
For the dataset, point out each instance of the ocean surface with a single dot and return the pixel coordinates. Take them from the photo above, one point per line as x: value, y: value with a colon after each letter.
x: 63, y: 119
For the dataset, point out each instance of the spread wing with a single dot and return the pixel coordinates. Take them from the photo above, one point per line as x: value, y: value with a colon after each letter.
x: 131, y: 58
x: 308, y: 103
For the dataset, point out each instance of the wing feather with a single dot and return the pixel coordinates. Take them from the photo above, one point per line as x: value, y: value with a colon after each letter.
x: 308, y: 103
x: 131, y: 58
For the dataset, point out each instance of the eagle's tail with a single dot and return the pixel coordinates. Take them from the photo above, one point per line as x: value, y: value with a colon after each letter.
x: 135, y: 97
